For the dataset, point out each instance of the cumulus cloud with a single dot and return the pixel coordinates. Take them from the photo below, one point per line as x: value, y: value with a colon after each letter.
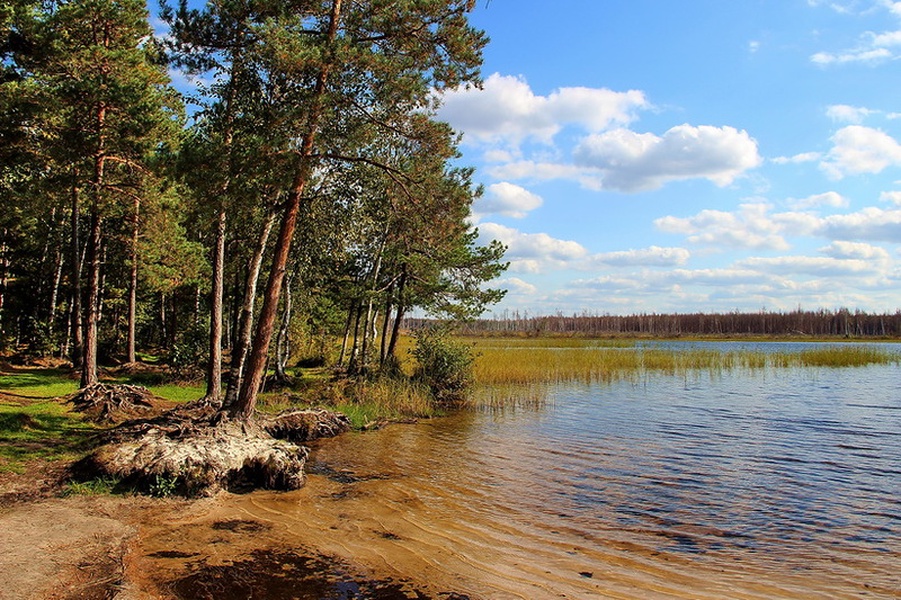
x: 507, y: 199
x: 854, y: 250
x: 749, y: 227
x: 831, y: 199
x: 506, y: 109
x: 857, y: 149
x: 532, y: 252
x: 516, y: 286
x: 844, y: 113
x: 818, y: 266
x: 873, y: 48
x: 893, y: 197
x: 872, y: 224
x: 632, y: 162
x: 654, y: 256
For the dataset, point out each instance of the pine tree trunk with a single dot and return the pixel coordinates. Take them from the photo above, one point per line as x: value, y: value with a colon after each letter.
x: 214, y: 372
x: 133, y: 286
x: 89, y: 362
x: 245, y: 323
x: 77, y: 308
x: 256, y: 364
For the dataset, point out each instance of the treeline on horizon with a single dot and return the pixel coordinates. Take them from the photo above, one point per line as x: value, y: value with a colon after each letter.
x: 813, y: 323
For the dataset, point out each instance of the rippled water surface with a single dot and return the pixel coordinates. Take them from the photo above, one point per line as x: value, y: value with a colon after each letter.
x: 763, y: 484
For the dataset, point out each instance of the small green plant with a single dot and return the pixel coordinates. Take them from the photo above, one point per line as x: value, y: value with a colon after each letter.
x: 444, y: 365
x: 93, y: 487
x: 163, y: 486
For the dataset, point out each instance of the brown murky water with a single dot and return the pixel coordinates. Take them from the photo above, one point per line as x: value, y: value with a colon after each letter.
x: 746, y: 485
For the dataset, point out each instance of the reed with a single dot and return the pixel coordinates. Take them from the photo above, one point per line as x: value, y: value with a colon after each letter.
x: 528, y: 363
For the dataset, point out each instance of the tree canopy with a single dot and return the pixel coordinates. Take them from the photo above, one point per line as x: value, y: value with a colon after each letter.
x: 310, y: 200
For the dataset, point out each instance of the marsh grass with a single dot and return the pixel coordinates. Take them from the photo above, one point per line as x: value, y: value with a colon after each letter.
x: 364, y: 401
x: 516, y: 372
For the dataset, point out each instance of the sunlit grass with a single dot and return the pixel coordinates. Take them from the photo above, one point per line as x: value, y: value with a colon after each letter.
x: 526, y: 365
x: 38, y: 383
x: 39, y: 431
x: 364, y: 401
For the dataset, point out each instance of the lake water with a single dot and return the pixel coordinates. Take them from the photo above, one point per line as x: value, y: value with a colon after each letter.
x: 775, y: 483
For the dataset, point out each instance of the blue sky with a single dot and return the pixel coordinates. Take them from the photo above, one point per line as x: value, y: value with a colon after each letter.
x: 699, y: 155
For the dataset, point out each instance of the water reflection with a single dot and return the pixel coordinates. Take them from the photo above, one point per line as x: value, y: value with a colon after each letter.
x: 776, y: 483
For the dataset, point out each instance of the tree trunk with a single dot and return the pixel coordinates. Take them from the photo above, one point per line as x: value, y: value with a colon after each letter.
x: 245, y: 322
x: 77, y: 308
x: 282, y: 341
x: 133, y: 286
x: 395, y: 330
x: 214, y: 372
x: 89, y: 362
x: 256, y: 364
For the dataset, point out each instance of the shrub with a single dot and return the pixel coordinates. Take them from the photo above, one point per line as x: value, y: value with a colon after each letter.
x: 444, y: 365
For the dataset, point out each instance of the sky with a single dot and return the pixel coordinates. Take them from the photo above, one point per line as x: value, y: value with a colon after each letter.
x: 646, y: 156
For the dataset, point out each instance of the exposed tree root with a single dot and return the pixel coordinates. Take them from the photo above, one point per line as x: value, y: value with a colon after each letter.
x: 305, y: 425
x: 105, y: 403
x: 196, y: 450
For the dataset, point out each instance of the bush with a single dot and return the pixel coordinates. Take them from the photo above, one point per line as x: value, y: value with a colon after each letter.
x: 444, y: 365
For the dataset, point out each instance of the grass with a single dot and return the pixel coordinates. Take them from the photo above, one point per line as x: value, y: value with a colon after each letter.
x: 38, y: 383
x: 45, y: 430
x: 531, y: 363
x: 364, y: 401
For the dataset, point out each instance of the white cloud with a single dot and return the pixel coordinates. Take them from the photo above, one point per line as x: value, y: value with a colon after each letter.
x: 654, y: 256
x: 893, y: 197
x: 516, y: 286
x: 832, y: 199
x: 845, y: 113
x: 857, y: 149
x: 507, y: 199
x: 749, y: 227
x: 854, y: 250
x: 872, y: 224
x: 851, y: 56
x: 804, y: 157
x: 818, y: 266
x: 873, y: 47
x: 506, y: 109
x: 632, y: 162
x: 532, y: 252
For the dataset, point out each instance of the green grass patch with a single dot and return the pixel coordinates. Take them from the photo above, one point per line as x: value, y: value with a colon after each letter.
x: 176, y: 392
x: 101, y: 486
x: 40, y: 431
x: 38, y: 383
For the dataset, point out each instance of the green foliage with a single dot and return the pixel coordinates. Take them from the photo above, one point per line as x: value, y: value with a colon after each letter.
x: 98, y: 486
x: 163, y: 486
x: 443, y: 364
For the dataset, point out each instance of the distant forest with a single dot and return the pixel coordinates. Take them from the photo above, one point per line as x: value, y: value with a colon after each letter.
x: 819, y: 323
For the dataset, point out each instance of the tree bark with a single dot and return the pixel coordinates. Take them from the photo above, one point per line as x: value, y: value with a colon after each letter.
x: 214, y: 372
x: 133, y: 286
x: 256, y: 364
x: 245, y: 323
x: 77, y: 308
x: 89, y: 362
x: 395, y: 330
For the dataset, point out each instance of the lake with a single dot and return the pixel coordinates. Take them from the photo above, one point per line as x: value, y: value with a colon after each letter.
x: 767, y: 483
